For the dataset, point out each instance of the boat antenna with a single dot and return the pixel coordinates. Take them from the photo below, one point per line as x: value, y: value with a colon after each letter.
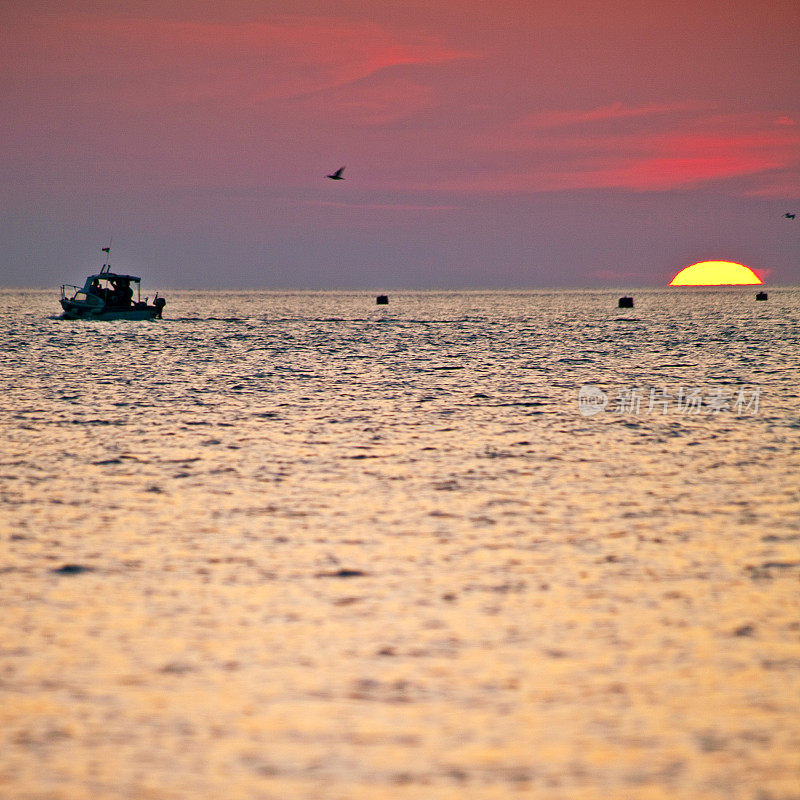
x: 107, y: 251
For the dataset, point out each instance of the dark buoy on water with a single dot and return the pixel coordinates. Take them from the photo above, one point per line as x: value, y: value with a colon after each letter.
x: 382, y: 300
x: 626, y: 302
x: 762, y: 296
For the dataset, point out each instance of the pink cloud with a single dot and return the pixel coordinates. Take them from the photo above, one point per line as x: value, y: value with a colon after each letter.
x: 149, y: 62
x: 649, y: 148
x: 158, y: 101
x: 165, y: 102
x: 615, y: 111
x: 381, y: 206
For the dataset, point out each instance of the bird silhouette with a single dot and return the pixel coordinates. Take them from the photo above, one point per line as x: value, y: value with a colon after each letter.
x: 336, y: 176
x: 788, y: 214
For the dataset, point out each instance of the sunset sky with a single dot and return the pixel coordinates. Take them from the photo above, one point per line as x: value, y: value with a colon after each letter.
x: 502, y: 144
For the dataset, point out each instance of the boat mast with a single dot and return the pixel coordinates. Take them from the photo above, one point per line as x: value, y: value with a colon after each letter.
x: 107, y: 251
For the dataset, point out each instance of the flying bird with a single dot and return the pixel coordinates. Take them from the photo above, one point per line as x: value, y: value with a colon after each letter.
x: 336, y: 176
x: 788, y: 214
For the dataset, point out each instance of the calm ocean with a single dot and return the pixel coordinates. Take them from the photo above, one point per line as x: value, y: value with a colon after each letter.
x: 297, y: 545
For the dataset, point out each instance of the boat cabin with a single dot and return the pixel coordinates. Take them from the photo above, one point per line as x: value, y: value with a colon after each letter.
x: 114, y: 290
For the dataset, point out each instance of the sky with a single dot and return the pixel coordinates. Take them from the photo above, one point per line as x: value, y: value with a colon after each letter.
x: 487, y: 143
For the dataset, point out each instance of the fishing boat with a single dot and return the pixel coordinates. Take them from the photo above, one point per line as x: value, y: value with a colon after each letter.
x: 108, y: 295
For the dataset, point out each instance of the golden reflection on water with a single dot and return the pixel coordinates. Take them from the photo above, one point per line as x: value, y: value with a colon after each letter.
x: 382, y: 555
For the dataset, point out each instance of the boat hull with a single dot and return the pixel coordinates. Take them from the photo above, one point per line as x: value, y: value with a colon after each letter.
x: 74, y: 311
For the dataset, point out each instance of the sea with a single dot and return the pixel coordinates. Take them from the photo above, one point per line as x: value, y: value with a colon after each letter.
x: 464, y: 545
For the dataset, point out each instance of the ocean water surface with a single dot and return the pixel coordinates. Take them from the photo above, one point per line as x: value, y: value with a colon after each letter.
x: 297, y: 545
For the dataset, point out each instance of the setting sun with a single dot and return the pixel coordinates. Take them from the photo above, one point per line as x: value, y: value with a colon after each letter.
x: 716, y: 273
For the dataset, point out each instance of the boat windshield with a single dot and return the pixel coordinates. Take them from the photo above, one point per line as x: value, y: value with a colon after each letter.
x: 87, y: 299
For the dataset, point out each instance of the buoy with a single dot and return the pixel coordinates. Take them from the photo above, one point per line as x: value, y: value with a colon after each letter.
x: 382, y: 300
x: 626, y: 302
x: 762, y: 296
